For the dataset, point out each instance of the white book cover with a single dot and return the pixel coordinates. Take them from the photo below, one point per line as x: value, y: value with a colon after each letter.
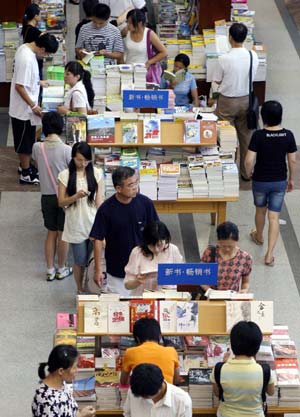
x: 237, y: 311
x: 187, y: 317
x: 167, y: 316
x: 118, y: 317
x: 95, y: 318
x: 151, y: 130
x: 262, y: 315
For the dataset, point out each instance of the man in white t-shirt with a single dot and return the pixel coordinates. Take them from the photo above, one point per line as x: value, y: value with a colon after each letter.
x: 151, y: 396
x: 24, y: 110
x: 232, y: 73
x: 120, y: 8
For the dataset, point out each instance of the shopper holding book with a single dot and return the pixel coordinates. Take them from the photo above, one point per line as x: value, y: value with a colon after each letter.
x: 266, y: 157
x: 141, y: 270
x: 53, y: 397
x: 234, y: 264
x: 80, y: 97
x: 80, y: 193
x: 183, y: 83
x: 241, y: 381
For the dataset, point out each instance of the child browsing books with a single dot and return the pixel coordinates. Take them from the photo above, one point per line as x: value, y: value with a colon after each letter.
x: 141, y: 270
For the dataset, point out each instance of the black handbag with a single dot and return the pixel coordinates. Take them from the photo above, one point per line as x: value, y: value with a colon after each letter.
x: 253, y: 109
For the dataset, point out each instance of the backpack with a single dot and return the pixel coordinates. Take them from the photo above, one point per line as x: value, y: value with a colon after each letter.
x: 266, y: 378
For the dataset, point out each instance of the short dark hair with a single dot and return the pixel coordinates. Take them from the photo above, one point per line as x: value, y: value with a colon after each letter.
x: 145, y: 329
x: 61, y: 356
x: 120, y: 174
x: 88, y: 6
x: 101, y: 11
x: 136, y: 16
x: 183, y: 58
x: 238, y: 32
x: 271, y: 113
x: 154, y: 232
x: 47, y: 41
x: 245, y: 338
x: 52, y: 122
x: 146, y: 380
x: 228, y: 230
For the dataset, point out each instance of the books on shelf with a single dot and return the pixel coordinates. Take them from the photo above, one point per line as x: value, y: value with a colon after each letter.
x: 167, y: 316
x: 212, y: 294
x: 66, y: 321
x: 118, y: 317
x: 84, y: 386
x: 217, y: 347
x: 76, y: 128
x: 65, y: 337
x: 86, y: 361
x: 100, y: 129
x: 96, y: 317
x: 142, y: 308
x: 191, y: 131
x: 287, y: 372
x: 129, y: 132
x: 208, y: 132
x: 151, y: 130
x: 261, y: 312
x: 187, y: 315
x: 284, y: 349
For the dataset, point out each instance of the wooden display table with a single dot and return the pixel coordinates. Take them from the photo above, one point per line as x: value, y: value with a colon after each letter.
x: 215, y: 206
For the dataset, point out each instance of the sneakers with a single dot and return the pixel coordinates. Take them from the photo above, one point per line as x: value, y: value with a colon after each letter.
x: 32, y: 168
x: 29, y: 177
x: 65, y: 273
x: 51, y: 275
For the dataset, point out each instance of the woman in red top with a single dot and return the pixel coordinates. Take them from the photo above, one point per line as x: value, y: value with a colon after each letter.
x: 234, y: 264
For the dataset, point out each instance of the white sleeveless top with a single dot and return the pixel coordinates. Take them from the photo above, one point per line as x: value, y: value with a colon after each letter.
x: 135, y: 52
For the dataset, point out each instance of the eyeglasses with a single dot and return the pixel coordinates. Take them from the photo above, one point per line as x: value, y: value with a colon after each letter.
x: 133, y: 184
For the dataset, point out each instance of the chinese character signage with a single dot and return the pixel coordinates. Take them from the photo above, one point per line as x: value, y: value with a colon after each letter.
x: 146, y: 98
x: 190, y: 274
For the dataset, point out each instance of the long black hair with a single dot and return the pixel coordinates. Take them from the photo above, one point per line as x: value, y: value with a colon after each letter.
x: 30, y: 11
x: 77, y: 69
x: 85, y: 150
x: 61, y: 356
x: 154, y: 232
x: 137, y: 16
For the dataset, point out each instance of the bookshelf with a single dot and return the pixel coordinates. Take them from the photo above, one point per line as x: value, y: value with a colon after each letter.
x: 208, y: 13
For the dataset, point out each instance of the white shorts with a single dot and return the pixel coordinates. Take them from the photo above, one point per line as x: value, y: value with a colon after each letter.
x: 116, y: 285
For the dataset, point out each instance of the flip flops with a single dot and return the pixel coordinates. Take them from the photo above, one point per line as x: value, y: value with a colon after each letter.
x: 271, y: 263
x: 254, y: 238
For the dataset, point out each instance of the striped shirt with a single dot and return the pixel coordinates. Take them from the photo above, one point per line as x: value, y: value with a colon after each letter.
x: 242, y: 382
x: 91, y: 38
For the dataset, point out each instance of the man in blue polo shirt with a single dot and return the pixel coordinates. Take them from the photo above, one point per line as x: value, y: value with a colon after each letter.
x: 119, y: 223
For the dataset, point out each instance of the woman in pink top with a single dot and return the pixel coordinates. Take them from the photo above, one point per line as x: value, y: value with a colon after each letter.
x: 141, y: 270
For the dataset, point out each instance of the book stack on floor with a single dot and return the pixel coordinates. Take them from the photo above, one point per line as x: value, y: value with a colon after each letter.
x: 167, y: 181
x: 200, y: 387
x: 148, y: 178
x: 199, y: 180
x: 139, y: 75
x: 214, y: 175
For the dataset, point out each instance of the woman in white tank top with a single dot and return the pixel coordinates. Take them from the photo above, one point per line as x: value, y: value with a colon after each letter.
x: 135, y: 40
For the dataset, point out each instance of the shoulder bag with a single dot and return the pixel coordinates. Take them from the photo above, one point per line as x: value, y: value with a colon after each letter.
x: 253, y: 110
x: 154, y: 71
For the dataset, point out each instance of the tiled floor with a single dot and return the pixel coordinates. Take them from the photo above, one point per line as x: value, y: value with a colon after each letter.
x: 29, y: 304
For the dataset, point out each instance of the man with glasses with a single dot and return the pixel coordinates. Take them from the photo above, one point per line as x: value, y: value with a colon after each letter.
x: 24, y: 110
x: 118, y: 226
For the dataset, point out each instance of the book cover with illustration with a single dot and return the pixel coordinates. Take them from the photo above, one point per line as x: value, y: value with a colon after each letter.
x: 187, y: 317
x: 86, y: 361
x: 167, y: 316
x: 151, y: 130
x: 66, y: 321
x: 142, y: 308
x: 216, y: 349
x: 208, y: 132
x: 100, y: 129
x: 287, y: 372
x: 129, y: 132
x: 95, y: 317
x: 76, y: 128
x: 118, y: 317
x: 191, y: 131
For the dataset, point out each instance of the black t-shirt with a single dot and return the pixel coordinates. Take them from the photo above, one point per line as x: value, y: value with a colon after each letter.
x: 271, y: 147
x: 122, y: 227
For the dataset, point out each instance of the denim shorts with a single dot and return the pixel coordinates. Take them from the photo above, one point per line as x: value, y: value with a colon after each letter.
x: 269, y: 194
x: 82, y: 252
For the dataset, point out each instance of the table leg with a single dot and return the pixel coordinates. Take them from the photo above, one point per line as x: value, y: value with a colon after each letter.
x: 213, y: 218
x: 221, y: 212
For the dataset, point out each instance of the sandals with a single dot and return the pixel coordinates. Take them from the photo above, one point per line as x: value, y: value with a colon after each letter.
x: 254, y: 238
x: 271, y: 263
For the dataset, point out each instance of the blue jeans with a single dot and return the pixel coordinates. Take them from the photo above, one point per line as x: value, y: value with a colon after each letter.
x: 269, y: 194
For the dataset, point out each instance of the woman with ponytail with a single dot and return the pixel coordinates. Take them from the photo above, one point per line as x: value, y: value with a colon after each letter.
x: 52, y: 397
x: 80, y: 193
x: 31, y: 18
x: 80, y: 97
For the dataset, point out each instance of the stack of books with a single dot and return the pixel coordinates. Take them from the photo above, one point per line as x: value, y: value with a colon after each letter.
x: 200, y: 387
x: 184, y: 183
x: 227, y: 136
x: 126, y: 73
x: 53, y: 96
x: 139, y: 75
x: 130, y: 158
x: 230, y: 179
x: 199, y: 180
x: 167, y: 182
x: 214, y: 174
x: 148, y: 178
x: 113, y: 80
x: 107, y: 382
x: 84, y: 385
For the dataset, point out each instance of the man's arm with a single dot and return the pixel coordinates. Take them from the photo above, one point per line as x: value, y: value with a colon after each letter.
x: 249, y: 162
x: 98, y: 248
x: 291, y: 164
x: 23, y: 93
x: 124, y: 378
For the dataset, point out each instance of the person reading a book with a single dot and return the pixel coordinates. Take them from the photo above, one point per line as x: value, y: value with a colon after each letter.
x: 147, y: 334
x: 80, y: 97
x: 136, y: 37
x: 150, y: 395
x: 239, y: 382
x: 141, y: 270
x: 80, y: 193
x: 182, y: 82
x: 265, y: 162
x: 51, y: 157
x: 53, y: 397
x: 119, y: 224
x: 234, y: 264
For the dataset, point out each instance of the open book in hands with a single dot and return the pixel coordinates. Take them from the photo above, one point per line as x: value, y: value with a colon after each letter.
x: 212, y: 294
x: 176, y: 77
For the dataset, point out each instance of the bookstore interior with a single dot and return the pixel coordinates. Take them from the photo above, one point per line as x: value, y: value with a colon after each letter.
x: 185, y: 158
